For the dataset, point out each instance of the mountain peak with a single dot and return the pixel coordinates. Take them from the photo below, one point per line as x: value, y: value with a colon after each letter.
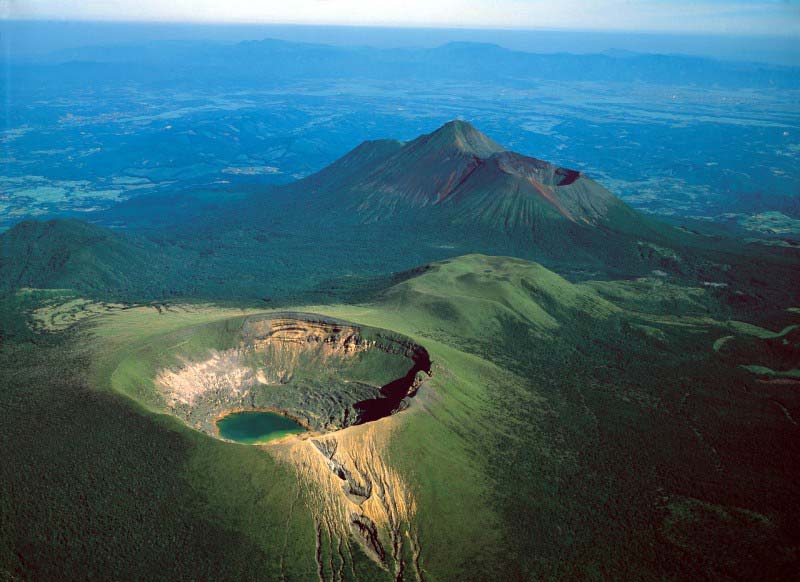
x: 466, y: 173
x: 464, y: 137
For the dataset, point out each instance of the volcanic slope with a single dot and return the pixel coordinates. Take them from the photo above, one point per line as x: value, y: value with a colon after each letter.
x: 459, y: 166
x: 557, y: 421
x: 458, y: 186
x: 456, y: 191
x: 502, y: 466
x: 71, y: 254
x: 386, y: 207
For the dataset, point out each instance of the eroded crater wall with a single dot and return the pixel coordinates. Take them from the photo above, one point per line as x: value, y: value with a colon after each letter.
x: 323, y: 373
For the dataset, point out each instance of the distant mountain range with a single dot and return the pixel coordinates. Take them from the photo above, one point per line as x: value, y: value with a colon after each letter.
x: 196, y: 62
x: 384, y: 207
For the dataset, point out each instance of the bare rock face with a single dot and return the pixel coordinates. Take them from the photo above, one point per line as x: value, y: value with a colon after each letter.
x: 323, y: 373
x: 286, y: 344
x: 360, y: 496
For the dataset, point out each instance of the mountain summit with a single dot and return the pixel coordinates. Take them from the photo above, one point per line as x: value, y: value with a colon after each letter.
x: 386, y: 206
x: 459, y: 136
x: 463, y: 173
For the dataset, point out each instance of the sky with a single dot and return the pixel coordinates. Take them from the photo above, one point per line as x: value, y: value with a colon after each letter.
x: 750, y: 17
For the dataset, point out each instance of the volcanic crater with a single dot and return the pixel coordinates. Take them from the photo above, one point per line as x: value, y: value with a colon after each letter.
x: 323, y: 373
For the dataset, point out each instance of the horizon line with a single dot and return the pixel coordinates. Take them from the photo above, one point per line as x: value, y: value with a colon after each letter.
x: 405, y: 26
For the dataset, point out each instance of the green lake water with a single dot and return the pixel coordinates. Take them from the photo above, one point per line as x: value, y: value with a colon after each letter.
x: 252, y: 427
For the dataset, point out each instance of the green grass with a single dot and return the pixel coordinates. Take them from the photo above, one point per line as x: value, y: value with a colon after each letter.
x: 572, y: 443
x: 568, y: 431
x: 95, y: 487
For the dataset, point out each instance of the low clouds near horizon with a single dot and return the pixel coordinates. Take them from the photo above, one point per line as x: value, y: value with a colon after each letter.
x: 715, y: 16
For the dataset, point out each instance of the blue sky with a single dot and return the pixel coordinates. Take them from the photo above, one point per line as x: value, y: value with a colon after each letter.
x: 770, y: 17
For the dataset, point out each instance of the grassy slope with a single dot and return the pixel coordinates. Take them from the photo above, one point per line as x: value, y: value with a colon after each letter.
x: 596, y: 458
x: 100, y: 486
x: 563, y: 434
x: 261, y: 499
x: 94, y: 486
x: 460, y: 527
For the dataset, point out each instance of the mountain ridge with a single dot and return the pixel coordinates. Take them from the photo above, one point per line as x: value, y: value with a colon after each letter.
x: 460, y: 166
x: 69, y: 253
x: 381, y: 209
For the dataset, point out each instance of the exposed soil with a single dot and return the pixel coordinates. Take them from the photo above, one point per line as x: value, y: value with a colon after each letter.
x: 325, y: 374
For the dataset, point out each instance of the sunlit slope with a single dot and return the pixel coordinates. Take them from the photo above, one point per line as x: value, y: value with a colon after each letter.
x: 587, y: 426
x: 467, y: 297
x: 453, y: 308
x: 566, y: 429
x: 459, y: 171
x: 455, y: 188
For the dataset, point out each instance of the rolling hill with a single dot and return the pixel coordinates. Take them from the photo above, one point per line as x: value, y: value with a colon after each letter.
x: 385, y: 207
x: 72, y: 254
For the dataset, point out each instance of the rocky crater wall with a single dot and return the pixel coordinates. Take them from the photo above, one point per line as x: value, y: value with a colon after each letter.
x: 324, y: 373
